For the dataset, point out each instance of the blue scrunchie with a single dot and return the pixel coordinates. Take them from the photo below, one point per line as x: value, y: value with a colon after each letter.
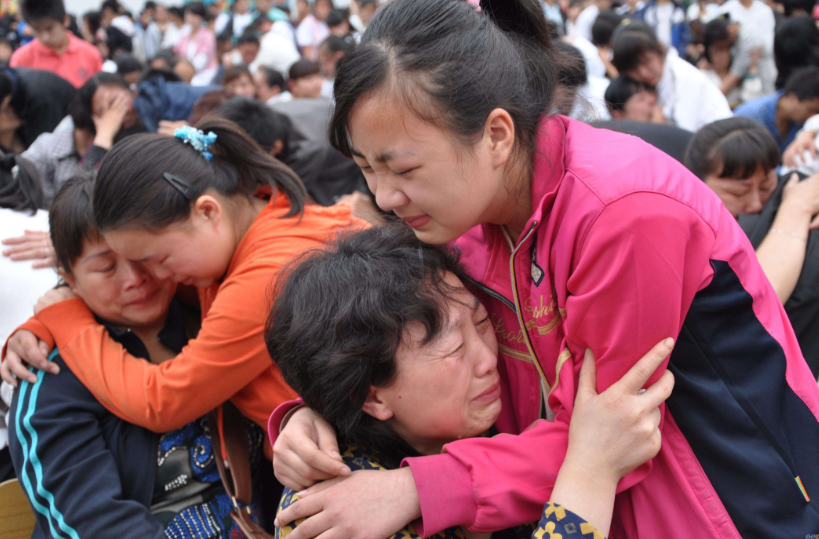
x: 196, y: 138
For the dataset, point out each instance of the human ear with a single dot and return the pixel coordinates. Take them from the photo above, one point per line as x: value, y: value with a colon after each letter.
x: 374, y: 406
x: 207, y: 209
x: 69, y: 279
x: 499, y: 130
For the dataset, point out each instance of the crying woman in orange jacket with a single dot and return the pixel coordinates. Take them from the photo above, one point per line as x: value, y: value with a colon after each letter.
x: 206, y: 208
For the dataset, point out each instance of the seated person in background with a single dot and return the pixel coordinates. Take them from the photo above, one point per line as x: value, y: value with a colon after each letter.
x: 579, y: 94
x: 270, y: 86
x: 628, y: 99
x: 752, y: 58
x: 796, y: 45
x: 784, y: 112
x: 737, y: 158
x: 32, y: 102
x: 380, y: 337
x: 305, y: 80
x: 688, y: 98
x: 331, y: 51
x: 86, y: 472
x: 237, y: 80
x: 719, y: 65
x: 277, y: 46
x: 129, y: 68
x: 55, y: 48
x: 327, y: 175
x: 101, y: 112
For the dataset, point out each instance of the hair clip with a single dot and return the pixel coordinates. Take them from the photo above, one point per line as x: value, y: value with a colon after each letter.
x: 196, y: 138
x: 475, y: 4
x: 178, y: 184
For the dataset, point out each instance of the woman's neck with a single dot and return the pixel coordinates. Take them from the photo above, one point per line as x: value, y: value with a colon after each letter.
x: 514, y: 207
x: 157, y: 351
x: 245, y: 217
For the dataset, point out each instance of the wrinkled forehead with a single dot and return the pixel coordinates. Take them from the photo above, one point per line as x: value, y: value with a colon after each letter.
x: 457, y: 306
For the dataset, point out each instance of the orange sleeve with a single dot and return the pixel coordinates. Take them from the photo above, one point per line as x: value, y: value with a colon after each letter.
x: 225, y: 357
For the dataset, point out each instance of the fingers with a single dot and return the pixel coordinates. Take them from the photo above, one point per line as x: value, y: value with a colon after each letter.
x: 303, y: 508
x: 320, y: 487
x: 303, y: 472
x: 660, y: 390
x: 289, y: 480
x: 18, y: 254
x: 639, y: 374
x: 322, y: 462
x: 328, y: 443
x: 45, y: 263
x: 814, y: 224
x: 14, y: 365
x: 6, y: 375
x: 28, y: 235
x: 587, y: 384
x: 24, y: 349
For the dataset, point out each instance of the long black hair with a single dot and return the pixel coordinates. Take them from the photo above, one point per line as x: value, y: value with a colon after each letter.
x: 731, y: 148
x: 453, y: 65
x: 22, y: 191
x: 132, y: 189
x: 339, y: 316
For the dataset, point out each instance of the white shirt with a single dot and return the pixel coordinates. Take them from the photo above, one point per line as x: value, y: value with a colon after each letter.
x: 759, y: 17
x: 310, y: 33
x: 275, y: 52
x: 20, y: 284
x: 594, y: 65
x: 583, y: 25
x: 590, y: 103
x: 664, y: 14
x: 283, y: 97
x: 688, y: 98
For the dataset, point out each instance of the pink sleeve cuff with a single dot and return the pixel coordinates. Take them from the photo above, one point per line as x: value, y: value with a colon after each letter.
x: 278, y: 415
x: 444, y: 491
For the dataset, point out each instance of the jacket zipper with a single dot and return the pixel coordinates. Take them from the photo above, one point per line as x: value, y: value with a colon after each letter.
x: 523, y: 330
x: 498, y: 296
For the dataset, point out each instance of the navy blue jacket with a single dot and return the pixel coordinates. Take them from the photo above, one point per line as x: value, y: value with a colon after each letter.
x: 158, y: 100
x: 87, y: 473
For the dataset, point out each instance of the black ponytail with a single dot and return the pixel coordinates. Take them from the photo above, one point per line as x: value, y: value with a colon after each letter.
x: 466, y: 63
x: 23, y: 190
x: 131, y: 189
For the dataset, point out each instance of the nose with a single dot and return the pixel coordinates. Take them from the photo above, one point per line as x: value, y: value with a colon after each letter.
x: 387, y: 196
x: 486, y: 363
x: 754, y: 203
x: 135, y: 275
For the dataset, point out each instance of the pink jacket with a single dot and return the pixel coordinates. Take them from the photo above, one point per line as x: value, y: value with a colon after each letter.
x: 626, y: 247
x: 203, y: 52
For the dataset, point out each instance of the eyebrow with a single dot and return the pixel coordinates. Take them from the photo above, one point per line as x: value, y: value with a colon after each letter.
x: 382, y: 157
x: 96, y: 255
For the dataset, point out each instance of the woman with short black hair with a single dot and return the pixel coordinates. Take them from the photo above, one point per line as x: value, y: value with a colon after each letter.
x: 737, y: 159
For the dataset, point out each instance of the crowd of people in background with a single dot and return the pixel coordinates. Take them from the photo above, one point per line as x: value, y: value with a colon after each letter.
x: 93, y: 174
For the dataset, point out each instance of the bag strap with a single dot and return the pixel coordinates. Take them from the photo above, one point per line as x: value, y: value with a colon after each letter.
x: 234, y: 470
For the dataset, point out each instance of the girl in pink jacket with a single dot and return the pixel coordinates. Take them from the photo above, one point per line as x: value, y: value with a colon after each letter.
x: 573, y: 237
